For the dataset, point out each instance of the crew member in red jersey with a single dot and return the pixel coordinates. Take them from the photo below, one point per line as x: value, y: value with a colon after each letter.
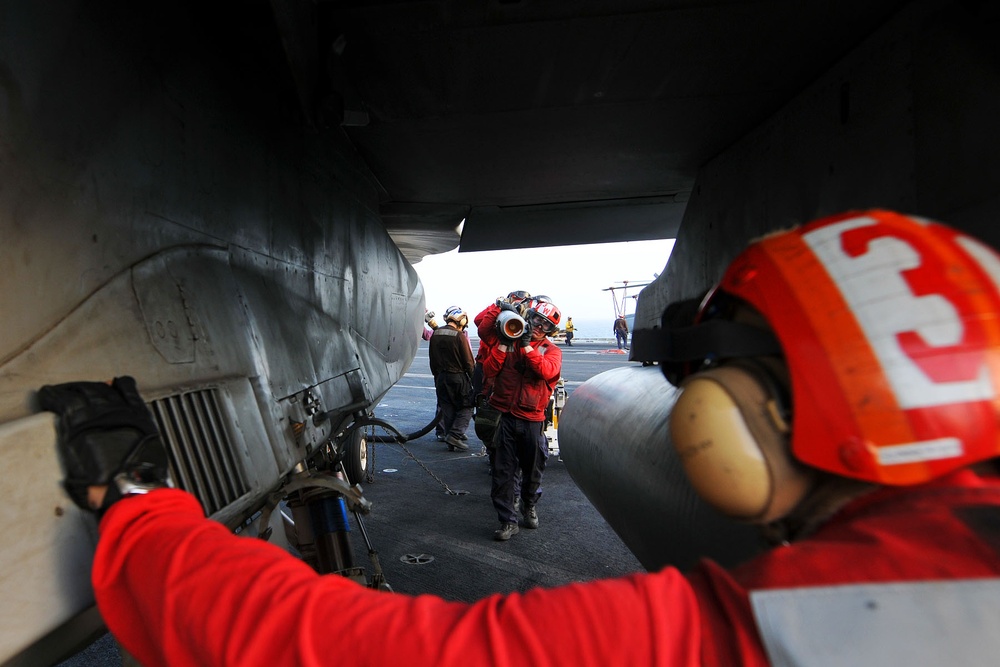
x: 523, y: 373
x: 839, y: 387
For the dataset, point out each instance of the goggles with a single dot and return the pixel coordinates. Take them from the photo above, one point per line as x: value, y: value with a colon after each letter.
x: 540, y: 323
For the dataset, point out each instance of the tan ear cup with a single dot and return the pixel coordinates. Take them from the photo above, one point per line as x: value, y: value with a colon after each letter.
x: 733, y: 445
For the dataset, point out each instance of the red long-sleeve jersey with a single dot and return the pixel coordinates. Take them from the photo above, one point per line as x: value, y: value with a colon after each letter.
x: 178, y: 589
x: 486, y: 322
x: 523, y: 378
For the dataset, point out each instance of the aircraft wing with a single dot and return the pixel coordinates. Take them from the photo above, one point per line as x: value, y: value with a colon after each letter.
x: 566, y: 122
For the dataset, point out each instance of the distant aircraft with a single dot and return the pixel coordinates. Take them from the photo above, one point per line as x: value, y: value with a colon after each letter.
x: 224, y: 200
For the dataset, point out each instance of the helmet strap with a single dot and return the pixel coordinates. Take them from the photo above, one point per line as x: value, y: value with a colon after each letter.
x: 827, y: 496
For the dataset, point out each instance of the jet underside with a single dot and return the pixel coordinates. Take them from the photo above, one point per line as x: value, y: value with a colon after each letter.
x: 223, y: 200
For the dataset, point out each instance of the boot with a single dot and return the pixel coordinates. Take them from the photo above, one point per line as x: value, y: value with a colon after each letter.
x: 530, y: 516
x: 505, y: 532
x: 455, y: 444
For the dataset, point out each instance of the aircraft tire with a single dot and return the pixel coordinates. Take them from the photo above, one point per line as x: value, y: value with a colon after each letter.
x: 357, y: 460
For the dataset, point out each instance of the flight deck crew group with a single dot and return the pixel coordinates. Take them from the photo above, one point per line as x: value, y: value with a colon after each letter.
x: 511, y: 379
x: 846, y: 372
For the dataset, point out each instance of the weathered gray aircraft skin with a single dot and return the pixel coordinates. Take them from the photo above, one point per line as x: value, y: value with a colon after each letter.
x: 222, y: 199
x: 234, y: 264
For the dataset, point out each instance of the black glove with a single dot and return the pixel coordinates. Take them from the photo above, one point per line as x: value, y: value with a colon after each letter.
x: 526, y: 335
x: 106, y: 437
x: 508, y: 306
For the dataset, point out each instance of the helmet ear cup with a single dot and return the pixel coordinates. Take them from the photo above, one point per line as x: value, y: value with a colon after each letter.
x: 733, y: 444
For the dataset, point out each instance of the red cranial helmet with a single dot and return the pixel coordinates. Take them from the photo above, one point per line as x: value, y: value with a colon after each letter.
x: 887, y: 339
x: 544, y: 315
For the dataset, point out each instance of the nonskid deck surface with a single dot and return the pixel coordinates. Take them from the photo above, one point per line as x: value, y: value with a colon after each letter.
x: 433, y: 520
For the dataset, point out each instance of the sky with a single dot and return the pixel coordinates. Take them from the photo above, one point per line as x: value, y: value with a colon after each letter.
x: 573, y: 276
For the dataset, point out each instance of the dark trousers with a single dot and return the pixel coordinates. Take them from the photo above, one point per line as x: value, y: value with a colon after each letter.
x: 439, y: 429
x: 521, y: 446
x: 477, y: 380
x: 454, y: 396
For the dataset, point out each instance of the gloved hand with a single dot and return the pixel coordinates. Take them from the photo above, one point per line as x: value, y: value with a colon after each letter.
x: 106, y: 437
x: 508, y: 306
x: 526, y: 335
x: 428, y: 316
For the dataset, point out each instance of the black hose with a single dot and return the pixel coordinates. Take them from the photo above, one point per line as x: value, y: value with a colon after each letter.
x: 399, y: 437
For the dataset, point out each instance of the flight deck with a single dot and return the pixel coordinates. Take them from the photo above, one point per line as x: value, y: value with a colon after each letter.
x: 433, y: 521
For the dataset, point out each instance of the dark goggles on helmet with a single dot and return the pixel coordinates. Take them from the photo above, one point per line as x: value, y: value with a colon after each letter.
x: 517, y: 296
x: 540, y: 323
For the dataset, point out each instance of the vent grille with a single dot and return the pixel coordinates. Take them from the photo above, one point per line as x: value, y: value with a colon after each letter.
x: 201, y: 453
